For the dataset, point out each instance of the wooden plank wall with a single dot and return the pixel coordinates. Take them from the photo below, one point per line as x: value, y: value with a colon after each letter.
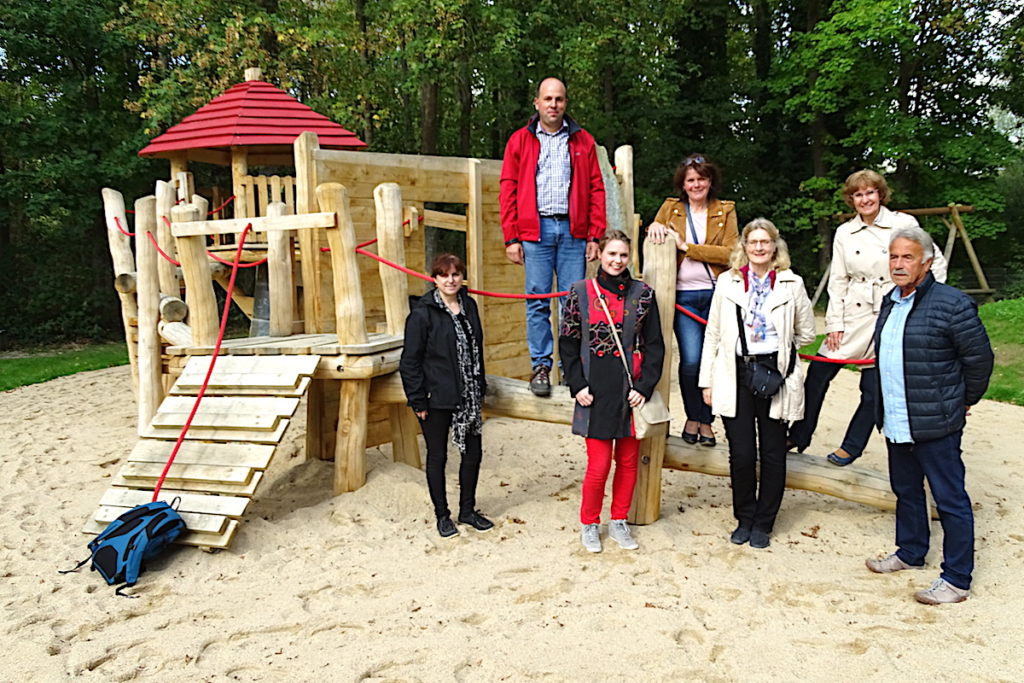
x: 437, y: 179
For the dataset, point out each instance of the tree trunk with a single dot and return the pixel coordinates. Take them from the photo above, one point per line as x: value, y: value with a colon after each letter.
x: 430, y: 120
x: 465, y: 94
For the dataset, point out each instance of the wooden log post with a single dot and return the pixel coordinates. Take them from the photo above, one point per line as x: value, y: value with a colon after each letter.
x: 202, y: 205
x: 151, y: 388
x: 202, y: 304
x: 350, y: 323
x: 624, y: 174
x: 165, y: 200
x: 660, y: 274
x: 309, y: 246
x: 280, y: 262
x: 387, y: 199
x: 184, y: 185
x: 975, y: 263
x: 124, y: 263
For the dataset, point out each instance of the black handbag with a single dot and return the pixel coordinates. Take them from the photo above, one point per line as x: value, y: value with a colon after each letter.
x: 763, y: 381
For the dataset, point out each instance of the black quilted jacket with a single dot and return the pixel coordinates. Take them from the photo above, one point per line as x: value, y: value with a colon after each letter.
x: 947, y: 359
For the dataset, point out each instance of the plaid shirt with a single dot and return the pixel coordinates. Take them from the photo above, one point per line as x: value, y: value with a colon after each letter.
x: 553, y: 171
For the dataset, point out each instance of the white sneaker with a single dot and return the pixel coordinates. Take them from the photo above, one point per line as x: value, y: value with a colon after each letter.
x: 941, y: 592
x: 591, y: 537
x: 619, y: 532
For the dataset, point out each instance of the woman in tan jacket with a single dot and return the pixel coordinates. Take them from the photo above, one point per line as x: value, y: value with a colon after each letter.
x: 704, y: 229
x: 768, y: 300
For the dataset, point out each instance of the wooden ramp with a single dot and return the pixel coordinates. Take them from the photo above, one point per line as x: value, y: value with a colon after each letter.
x: 243, y: 416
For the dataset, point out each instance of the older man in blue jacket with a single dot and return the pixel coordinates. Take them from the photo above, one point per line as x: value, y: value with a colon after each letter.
x: 934, y: 362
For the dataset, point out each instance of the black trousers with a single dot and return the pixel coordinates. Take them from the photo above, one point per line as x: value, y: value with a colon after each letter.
x: 753, y: 435
x: 819, y: 377
x: 435, y: 433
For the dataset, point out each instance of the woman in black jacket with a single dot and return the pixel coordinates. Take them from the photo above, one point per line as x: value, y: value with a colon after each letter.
x: 442, y: 370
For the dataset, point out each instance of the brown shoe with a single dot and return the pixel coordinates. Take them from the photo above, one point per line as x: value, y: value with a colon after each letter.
x: 540, y: 381
x: 941, y: 593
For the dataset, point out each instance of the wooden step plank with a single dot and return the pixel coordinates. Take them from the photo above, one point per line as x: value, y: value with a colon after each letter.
x: 298, y: 365
x: 231, y: 405
x: 248, y: 490
x: 295, y: 345
x: 216, y: 421
x: 196, y: 523
x: 230, y: 506
x: 277, y: 380
x: 200, y: 540
x: 185, y: 472
x: 256, y: 456
x: 236, y: 390
x: 231, y: 435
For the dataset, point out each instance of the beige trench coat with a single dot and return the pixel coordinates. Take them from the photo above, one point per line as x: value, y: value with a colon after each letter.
x: 859, y: 278
x: 790, y: 312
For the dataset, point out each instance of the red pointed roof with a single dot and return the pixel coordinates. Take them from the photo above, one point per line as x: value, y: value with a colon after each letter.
x: 248, y: 114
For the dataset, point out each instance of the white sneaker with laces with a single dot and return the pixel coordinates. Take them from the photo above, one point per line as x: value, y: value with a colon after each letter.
x: 618, y: 531
x: 591, y: 537
x: 941, y: 593
x: 888, y: 564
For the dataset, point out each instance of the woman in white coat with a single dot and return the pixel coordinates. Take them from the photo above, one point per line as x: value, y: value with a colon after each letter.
x: 858, y: 279
x: 761, y: 295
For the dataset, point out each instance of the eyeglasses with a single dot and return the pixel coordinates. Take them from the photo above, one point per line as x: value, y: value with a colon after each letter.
x: 760, y: 243
x: 695, y: 159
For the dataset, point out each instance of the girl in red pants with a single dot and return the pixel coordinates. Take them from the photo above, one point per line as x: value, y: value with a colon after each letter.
x: 597, y: 378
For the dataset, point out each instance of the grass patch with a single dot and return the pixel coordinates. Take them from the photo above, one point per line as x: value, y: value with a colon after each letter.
x: 1004, y: 321
x: 41, y: 365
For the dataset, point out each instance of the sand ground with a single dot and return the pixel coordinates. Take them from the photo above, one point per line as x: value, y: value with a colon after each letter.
x: 360, y: 587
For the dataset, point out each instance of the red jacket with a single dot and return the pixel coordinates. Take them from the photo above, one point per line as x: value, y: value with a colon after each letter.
x: 518, y: 198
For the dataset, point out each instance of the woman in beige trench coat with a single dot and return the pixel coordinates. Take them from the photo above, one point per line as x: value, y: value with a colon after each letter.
x: 858, y: 279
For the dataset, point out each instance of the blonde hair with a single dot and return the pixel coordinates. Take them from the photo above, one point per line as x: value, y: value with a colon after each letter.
x: 864, y: 179
x: 738, y: 258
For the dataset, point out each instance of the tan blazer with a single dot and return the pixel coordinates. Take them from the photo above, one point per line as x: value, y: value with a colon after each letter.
x: 790, y: 312
x: 722, y: 233
x: 859, y: 278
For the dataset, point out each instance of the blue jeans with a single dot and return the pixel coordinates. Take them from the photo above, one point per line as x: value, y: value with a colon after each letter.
x: 939, y: 461
x: 560, y: 253
x: 690, y: 338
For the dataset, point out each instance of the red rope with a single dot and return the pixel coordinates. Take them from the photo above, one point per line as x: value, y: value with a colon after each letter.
x: 159, y: 250
x: 805, y: 356
x: 117, y: 222
x: 424, y: 276
x: 209, y: 371
x: 221, y: 207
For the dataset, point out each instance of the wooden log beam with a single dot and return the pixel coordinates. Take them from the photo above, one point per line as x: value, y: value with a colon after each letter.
x: 349, y: 311
x: 176, y: 333
x: 172, y: 309
x: 124, y: 262
x: 233, y: 226
x: 387, y: 198
x: 660, y: 274
x: 151, y: 390
x: 350, y: 446
x: 280, y: 262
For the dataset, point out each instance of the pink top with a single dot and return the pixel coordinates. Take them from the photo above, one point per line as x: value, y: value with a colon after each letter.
x: 693, y: 275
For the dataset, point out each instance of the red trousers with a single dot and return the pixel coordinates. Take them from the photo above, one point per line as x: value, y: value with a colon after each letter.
x: 599, y: 463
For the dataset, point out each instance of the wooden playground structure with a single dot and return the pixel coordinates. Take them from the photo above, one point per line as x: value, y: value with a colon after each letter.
x: 336, y: 319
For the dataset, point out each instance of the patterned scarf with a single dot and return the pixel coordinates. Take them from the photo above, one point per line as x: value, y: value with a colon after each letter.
x: 759, y: 289
x: 467, y: 418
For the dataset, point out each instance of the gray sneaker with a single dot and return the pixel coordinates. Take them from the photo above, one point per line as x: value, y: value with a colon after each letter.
x: 941, y: 593
x: 618, y: 531
x: 889, y: 564
x: 591, y: 537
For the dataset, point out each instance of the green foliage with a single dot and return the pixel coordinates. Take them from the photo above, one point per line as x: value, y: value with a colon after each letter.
x: 42, y: 366
x: 1004, y: 320
x: 788, y: 97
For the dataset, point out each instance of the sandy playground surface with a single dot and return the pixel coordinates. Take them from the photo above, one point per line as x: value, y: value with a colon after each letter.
x: 360, y: 587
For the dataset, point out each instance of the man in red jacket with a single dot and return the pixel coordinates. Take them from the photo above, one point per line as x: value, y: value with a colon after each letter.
x: 552, y: 213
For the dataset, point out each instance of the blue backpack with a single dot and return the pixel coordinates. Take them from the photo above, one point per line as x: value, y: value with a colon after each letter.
x: 140, y: 534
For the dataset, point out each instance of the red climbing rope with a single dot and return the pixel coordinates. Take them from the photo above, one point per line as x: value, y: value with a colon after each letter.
x: 117, y: 222
x: 222, y: 206
x: 209, y: 371
x: 805, y: 356
x: 159, y: 250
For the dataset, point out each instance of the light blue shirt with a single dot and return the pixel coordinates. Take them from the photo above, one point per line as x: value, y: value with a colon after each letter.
x: 554, y: 171
x: 895, y: 418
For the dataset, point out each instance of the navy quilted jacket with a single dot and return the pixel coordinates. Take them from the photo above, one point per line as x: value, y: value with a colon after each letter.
x: 947, y: 359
